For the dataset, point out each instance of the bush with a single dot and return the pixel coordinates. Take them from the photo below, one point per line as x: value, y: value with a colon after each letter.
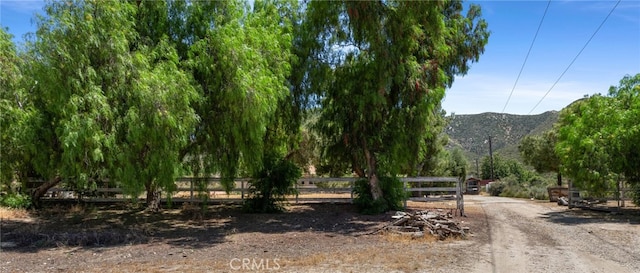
x: 16, y: 201
x: 270, y: 186
x: 540, y: 193
x: 635, y: 194
x: 393, y: 195
x: 514, y: 186
x: 496, y: 188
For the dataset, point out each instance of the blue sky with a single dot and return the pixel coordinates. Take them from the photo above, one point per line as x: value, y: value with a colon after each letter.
x: 612, y: 53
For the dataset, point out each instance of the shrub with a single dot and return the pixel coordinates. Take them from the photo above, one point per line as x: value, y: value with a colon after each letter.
x: 393, y: 192
x: 635, y: 194
x: 539, y: 193
x: 16, y: 201
x: 496, y: 188
x: 514, y: 186
x: 270, y: 186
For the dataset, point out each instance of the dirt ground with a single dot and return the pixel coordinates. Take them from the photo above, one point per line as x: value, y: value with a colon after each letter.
x: 507, y: 235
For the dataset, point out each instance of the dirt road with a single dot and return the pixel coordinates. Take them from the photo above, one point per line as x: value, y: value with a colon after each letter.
x: 525, y: 236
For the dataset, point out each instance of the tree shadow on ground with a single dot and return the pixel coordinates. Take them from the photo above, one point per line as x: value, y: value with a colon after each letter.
x: 578, y: 216
x: 194, y: 226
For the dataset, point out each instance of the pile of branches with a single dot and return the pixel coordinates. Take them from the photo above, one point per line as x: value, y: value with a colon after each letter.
x: 416, y: 224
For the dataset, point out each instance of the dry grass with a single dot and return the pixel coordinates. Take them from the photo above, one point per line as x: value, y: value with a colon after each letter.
x: 398, y: 254
x: 14, y: 214
x: 76, y: 209
x: 311, y: 260
x: 407, y: 240
x: 144, y: 235
x: 445, y: 204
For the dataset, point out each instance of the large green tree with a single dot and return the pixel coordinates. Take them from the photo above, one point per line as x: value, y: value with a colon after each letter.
x: 154, y: 124
x: 598, y: 138
x: 14, y: 109
x: 128, y: 90
x: 240, y: 61
x: 625, y: 137
x: 539, y: 152
x: 583, y: 148
x: 380, y: 70
x: 110, y: 103
x: 79, y: 66
x: 431, y: 154
x: 501, y: 167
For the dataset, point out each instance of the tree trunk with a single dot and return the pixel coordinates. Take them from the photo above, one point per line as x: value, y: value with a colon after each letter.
x: 374, y: 182
x: 153, y: 198
x: 356, y: 167
x: 559, y: 179
x: 358, y: 170
x: 38, y: 192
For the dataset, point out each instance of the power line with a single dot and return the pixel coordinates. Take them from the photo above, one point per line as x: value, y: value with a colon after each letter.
x: 527, y: 57
x: 574, y: 59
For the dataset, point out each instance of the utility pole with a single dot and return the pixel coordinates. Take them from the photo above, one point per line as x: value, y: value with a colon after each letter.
x: 477, y: 169
x: 491, y: 157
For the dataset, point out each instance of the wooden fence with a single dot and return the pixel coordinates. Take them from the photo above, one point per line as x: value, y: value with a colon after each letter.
x: 581, y: 198
x: 310, y: 189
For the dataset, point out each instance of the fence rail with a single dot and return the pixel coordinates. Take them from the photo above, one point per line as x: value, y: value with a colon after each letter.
x: 581, y: 198
x: 305, y: 187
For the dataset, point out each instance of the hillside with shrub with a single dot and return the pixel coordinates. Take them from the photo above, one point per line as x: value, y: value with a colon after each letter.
x: 471, y: 132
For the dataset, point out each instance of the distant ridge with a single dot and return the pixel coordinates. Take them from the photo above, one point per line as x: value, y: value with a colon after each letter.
x: 471, y: 132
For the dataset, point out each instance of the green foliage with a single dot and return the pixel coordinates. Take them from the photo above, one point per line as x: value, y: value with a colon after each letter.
x: 376, y: 76
x: 269, y: 186
x: 134, y: 90
x: 394, y: 195
x: 528, y: 186
x: 15, y: 200
x: 599, y: 136
x: 502, y: 167
x: 515, y: 180
x: 635, y: 194
x: 539, y: 152
x: 240, y: 68
x: 14, y: 110
x: 457, y: 165
x: 432, y: 159
x: 496, y: 188
x: 512, y: 186
x: 75, y: 71
x: 156, y: 122
x: 127, y: 90
x: 306, y: 148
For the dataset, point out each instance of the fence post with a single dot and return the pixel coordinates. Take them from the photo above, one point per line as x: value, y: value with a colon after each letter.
x: 404, y: 185
x: 351, y: 187
x: 191, y: 189
x: 460, y: 197
x: 242, y: 189
x: 296, y: 186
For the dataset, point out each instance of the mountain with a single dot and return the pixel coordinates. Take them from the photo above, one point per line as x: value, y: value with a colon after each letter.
x: 472, y: 132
